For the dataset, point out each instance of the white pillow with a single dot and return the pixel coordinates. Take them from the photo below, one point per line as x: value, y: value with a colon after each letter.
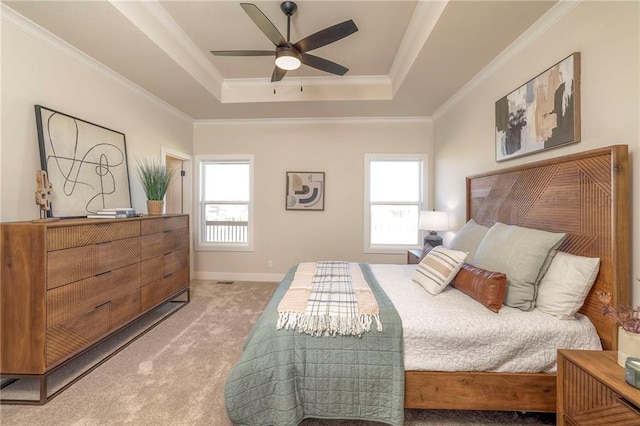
x: 436, y: 270
x: 566, y: 284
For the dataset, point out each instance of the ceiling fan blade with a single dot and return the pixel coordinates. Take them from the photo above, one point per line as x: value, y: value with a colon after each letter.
x: 278, y: 74
x: 264, y: 24
x: 323, y: 64
x: 326, y: 36
x: 243, y: 52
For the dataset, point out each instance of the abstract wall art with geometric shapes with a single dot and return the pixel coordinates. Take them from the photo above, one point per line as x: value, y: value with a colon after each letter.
x: 85, y: 162
x: 543, y: 113
x: 305, y: 191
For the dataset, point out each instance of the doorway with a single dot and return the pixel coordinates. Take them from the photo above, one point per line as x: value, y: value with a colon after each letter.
x: 178, y: 197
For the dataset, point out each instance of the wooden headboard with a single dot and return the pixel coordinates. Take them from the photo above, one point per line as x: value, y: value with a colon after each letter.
x: 584, y: 195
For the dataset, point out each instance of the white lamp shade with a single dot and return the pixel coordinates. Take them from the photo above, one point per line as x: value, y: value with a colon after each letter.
x: 434, y: 221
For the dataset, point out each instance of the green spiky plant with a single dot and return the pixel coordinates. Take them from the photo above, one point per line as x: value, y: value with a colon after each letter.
x: 155, y: 178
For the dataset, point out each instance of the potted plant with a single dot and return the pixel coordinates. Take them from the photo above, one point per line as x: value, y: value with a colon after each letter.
x: 155, y: 178
x: 629, y: 331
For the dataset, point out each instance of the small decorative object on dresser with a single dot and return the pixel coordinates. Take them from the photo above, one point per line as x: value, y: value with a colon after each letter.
x: 155, y: 178
x: 43, y: 197
x: 591, y: 390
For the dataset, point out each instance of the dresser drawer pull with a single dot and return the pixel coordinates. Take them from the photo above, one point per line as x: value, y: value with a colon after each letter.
x: 628, y: 405
x: 168, y: 275
x: 102, y: 304
x: 102, y: 274
x: 169, y: 252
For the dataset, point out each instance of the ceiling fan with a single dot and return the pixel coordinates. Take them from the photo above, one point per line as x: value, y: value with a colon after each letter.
x: 289, y: 55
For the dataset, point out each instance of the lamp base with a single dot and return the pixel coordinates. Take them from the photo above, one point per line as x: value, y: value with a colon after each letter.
x: 432, y: 239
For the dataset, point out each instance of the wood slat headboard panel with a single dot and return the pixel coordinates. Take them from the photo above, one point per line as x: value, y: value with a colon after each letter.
x: 585, y: 195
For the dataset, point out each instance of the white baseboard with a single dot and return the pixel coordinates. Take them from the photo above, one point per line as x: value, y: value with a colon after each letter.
x: 236, y: 276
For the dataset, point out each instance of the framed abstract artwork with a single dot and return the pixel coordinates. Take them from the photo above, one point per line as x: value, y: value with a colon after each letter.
x: 544, y: 113
x: 85, y: 163
x: 305, y: 191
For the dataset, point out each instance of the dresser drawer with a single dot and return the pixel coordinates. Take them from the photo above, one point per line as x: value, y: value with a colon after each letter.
x: 159, y: 266
x: 164, y: 242
x: 70, y: 265
x: 77, y: 333
x: 161, y: 289
x: 82, y: 296
x: 125, y: 308
x: 84, y: 235
x: 153, y: 226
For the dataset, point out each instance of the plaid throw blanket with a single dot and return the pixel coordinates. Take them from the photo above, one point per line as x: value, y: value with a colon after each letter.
x: 329, y: 299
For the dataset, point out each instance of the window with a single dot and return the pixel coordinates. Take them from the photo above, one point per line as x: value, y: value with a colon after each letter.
x: 394, y: 194
x: 225, y: 213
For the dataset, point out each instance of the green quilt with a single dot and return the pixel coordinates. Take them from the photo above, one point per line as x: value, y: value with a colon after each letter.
x: 284, y: 376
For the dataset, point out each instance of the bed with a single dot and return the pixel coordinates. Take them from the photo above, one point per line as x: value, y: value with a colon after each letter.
x: 583, y: 195
x: 590, y: 189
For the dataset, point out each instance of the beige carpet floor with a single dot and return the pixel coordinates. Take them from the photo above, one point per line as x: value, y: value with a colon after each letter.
x: 175, y: 374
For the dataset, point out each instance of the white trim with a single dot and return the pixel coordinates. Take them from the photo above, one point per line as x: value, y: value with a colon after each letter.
x: 423, y: 21
x: 542, y: 25
x: 237, y: 276
x: 29, y: 27
x: 311, y: 120
x: 155, y: 22
x: 298, y: 89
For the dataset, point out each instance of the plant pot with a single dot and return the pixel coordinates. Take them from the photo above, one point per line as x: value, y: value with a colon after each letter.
x: 628, y: 345
x: 155, y: 207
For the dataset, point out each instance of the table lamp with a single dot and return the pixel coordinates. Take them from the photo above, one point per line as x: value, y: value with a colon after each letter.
x: 433, y: 222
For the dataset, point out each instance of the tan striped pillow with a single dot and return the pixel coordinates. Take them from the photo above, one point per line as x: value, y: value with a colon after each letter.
x: 438, y: 268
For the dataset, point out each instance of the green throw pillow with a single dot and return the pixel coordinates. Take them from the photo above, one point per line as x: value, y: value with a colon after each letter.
x: 523, y: 254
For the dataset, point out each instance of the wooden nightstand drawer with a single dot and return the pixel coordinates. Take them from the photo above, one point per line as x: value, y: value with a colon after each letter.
x: 592, y: 390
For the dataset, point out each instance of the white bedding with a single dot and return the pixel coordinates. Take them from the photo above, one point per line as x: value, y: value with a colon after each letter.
x: 453, y: 332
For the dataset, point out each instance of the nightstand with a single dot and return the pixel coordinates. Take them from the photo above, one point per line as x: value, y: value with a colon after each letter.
x: 413, y: 256
x: 591, y: 390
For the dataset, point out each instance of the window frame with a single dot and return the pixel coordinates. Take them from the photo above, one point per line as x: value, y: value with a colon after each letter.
x: 200, y: 209
x: 392, y: 248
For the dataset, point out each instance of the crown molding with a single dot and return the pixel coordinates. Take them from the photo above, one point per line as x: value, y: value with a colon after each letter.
x: 423, y: 21
x: 10, y: 16
x: 307, y: 89
x: 311, y: 120
x: 542, y: 25
x: 156, y: 23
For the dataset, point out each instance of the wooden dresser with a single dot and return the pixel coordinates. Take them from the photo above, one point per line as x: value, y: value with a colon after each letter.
x: 592, y: 390
x: 70, y: 283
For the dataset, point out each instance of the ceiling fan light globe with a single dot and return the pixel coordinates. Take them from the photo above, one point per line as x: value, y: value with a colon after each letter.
x: 288, y: 60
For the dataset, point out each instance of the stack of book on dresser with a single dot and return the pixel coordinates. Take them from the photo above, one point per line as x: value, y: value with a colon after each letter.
x: 114, y: 213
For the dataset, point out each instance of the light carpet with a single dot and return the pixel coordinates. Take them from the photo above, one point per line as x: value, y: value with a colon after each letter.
x: 175, y: 374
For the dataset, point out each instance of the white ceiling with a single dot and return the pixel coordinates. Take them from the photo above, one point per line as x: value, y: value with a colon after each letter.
x: 407, y: 59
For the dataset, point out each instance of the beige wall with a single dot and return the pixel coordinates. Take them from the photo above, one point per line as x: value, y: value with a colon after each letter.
x: 36, y: 70
x: 607, y: 35
x: 336, y: 147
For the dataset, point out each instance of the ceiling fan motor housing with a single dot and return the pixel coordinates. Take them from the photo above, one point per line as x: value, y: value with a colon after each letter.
x: 288, y: 7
